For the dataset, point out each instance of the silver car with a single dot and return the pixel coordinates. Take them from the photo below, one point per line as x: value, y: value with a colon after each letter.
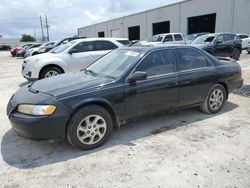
x: 72, y: 56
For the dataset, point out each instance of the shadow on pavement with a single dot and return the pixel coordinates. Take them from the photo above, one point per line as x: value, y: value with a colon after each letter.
x: 26, y: 154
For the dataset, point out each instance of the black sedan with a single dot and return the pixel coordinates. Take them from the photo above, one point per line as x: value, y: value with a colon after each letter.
x: 125, y: 84
x: 220, y: 44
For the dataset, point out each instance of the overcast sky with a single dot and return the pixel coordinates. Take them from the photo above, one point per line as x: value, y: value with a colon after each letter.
x: 65, y: 16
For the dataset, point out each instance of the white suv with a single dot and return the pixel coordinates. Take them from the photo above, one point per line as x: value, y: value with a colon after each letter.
x: 171, y: 38
x: 73, y: 56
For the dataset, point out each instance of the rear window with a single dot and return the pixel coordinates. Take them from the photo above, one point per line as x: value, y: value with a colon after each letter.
x: 104, y: 45
x: 124, y: 42
x: 190, y: 59
x: 178, y: 37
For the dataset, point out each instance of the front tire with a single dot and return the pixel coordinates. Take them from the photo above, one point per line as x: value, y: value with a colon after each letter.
x: 215, y: 100
x: 89, y: 127
x: 49, y: 72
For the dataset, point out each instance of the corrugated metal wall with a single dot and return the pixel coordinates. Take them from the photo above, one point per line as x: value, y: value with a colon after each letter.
x: 231, y: 16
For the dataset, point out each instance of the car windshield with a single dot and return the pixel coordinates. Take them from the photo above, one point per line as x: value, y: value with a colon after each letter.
x: 114, y: 64
x: 156, y: 38
x: 62, y: 47
x: 203, y: 39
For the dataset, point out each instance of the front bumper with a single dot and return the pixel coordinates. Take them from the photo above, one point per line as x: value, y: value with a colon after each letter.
x: 37, y: 127
x: 29, y: 72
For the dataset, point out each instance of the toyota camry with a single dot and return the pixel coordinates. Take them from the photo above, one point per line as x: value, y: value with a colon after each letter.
x: 128, y: 83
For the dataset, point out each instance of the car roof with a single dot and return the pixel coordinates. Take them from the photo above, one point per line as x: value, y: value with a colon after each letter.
x: 96, y: 39
x: 169, y: 34
x: 147, y: 48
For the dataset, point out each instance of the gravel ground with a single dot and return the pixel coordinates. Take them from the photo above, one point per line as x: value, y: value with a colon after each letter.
x: 183, y: 149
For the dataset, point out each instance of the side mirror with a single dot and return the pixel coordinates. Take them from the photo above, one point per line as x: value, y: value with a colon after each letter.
x: 138, y: 75
x: 218, y: 41
x: 72, y: 51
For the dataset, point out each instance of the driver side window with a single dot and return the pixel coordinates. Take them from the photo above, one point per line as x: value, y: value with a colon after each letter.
x: 157, y: 63
x: 84, y: 47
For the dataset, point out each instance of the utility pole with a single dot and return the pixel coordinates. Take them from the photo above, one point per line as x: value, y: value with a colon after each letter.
x: 35, y: 33
x: 47, y: 26
x: 41, y: 22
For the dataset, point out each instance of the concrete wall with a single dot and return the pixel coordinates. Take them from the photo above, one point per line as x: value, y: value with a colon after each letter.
x: 231, y: 16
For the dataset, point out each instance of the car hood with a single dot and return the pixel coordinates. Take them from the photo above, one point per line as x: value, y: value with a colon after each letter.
x: 40, y: 56
x: 67, y: 84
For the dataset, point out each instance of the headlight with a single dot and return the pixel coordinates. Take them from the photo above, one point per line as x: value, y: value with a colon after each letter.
x: 38, y: 110
x: 42, y: 50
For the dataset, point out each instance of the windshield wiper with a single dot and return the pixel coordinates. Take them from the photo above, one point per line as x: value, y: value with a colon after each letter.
x: 91, y: 72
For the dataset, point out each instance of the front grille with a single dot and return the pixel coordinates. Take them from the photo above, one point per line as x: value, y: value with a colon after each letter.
x: 243, y: 91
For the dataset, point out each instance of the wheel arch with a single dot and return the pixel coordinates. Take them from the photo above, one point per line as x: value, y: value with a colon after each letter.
x: 225, y: 86
x: 48, y: 66
x: 102, y: 103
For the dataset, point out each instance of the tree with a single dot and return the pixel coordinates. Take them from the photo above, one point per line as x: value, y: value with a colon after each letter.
x: 27, y: 38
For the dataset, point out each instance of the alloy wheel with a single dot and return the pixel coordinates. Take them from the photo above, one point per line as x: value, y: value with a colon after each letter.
x: 216, y: 99
x: 51, y: 73
x: 91, y: 129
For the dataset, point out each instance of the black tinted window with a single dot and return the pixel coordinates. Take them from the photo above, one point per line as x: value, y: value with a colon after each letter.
x: 84, y: 47
x: 124, y: 42
x: 157, y: 63
x: 243, y: 36
x: 104, y: 45
x: 228, y: 37
x: 168, y: 38
x: 190, y: 59
x: 178, y: 37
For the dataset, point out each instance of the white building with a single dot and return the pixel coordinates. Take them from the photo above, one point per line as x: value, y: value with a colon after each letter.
x: 190, y: 16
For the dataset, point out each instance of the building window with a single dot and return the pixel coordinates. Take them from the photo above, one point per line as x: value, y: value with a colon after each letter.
x: 203, y: 23
x: 101, y: 34
x: 134, y: 33
x: 161, y: 27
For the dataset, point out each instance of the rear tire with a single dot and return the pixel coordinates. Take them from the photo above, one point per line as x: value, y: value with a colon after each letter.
x: 215, y: 100
x: 49, y: 72
x: 89, y: 127
x: 236, y: 54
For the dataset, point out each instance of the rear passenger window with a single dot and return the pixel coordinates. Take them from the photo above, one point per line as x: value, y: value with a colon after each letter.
x: 190, y: 59
x: 228, y: 37
x: 157, y: 63
x: 104, y: 45
x: 84, y: 47
x: 243, y: 36
x: 168, y: 38
x: 178, y: 37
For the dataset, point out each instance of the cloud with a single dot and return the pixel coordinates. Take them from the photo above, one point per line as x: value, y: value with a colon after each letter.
x: 92, y: 16
x: 64, y: 16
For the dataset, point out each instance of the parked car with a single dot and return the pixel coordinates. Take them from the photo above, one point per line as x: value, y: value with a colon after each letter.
x: 190, y: 38
x: 47, y: 48
x: 245, y: 41
x: 5, y: 47
x: 248, y: 50
x: 35, y: 50
x: 72, y: 56
x: 22, y: 52
x: 18, y: 48
x: 126, y: 84
x: 220, y: 44
x: 177, y: 38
